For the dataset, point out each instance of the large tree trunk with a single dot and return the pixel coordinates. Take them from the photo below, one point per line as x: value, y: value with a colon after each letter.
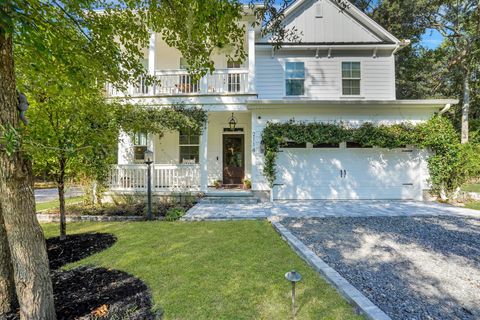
x: 25, y: 237
x: 61, y: 199
x: 465, y: 106
x: 8, y: 298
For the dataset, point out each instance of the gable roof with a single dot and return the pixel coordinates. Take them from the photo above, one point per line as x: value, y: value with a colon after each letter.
x: 336, y: 24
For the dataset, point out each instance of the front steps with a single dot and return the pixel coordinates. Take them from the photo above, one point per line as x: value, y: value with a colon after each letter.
x: 226, y: 196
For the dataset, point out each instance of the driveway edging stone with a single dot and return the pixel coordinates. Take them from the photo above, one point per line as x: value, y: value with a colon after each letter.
x: 353, y: 295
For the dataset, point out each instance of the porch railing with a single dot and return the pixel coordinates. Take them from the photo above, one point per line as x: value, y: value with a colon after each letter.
x: 165, y: 177
x: 180, y: 82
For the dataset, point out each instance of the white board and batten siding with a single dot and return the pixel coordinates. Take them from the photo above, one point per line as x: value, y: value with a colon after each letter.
x: 323, y: 21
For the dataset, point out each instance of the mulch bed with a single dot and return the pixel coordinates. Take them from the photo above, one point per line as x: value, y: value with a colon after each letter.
x: 93, y: 292
x: 76, y: 247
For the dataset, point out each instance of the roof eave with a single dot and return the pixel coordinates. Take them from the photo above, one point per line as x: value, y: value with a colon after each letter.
x: 310, y: 103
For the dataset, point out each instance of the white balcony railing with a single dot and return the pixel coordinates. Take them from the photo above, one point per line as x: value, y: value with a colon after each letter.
x: 180, y: 82
x: 165, y: 177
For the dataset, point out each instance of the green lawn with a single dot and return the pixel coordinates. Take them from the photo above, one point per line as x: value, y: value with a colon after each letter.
x: 473, y: 205
x: 214, y: 270
x: 474, y: 187
x: 54, y: 204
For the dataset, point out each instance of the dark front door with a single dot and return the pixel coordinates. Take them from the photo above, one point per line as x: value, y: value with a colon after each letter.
x: 233, y: 159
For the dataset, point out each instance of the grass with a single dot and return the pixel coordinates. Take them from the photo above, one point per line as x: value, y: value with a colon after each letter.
x: 473, y: 205
x: 54, y: 203
x: 214, y: 270
x: 473, y: 187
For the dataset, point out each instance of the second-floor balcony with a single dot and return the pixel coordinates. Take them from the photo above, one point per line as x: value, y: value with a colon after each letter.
x: 180, y: 82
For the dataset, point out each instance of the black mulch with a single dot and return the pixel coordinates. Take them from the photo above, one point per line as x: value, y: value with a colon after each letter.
x: 76, y: 247
x: 92, y: 292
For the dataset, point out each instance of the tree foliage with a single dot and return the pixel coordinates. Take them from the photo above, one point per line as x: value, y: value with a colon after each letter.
x: 63, y: 49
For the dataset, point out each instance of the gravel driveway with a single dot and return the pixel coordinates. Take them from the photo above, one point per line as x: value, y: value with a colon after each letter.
x: 424, y: 267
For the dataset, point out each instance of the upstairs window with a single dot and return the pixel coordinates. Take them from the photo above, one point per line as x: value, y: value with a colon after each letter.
x: 139, y: 145
x: 294, y: 78
x: 189, y: 141
x: 351, y: 78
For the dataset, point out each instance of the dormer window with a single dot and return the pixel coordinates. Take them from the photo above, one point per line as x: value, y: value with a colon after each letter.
x: 351, y: 78
x: 294, y: 78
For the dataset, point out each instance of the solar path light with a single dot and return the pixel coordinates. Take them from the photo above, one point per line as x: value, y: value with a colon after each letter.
x: 294, y: 277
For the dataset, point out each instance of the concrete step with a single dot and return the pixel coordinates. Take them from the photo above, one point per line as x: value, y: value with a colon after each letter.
x: 230, y: 200
x: 229, y: 193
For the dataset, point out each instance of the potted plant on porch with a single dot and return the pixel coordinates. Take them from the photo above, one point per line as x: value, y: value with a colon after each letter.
x: 247, y: 184
x: 217, y: 184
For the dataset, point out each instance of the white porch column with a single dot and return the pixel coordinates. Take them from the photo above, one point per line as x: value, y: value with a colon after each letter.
x: 251, y: 58
x: 204, y: 159
x: 151, y: 55
x: 151, y: 144
x: 151, y: 61
x: 125, y: 148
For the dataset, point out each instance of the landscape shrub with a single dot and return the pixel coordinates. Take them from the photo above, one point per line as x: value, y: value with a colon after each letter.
x: 174, y: 213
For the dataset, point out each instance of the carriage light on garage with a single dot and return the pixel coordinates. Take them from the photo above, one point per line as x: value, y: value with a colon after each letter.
x: 294, y: 277
x: 262, y: 146
x: 232, y: 122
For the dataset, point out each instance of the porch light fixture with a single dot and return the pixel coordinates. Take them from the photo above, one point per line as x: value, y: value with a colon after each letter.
x: 294, y: 277
x: 148, y: 158
x: 232, y: 122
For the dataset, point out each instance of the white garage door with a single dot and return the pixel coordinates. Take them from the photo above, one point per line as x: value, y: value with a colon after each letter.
x: 349, y: 173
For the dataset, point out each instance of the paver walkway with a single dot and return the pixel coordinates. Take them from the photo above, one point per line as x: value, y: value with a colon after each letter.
x: 298, y: 209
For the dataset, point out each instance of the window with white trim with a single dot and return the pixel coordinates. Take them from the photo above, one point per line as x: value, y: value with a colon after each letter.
x: 294, y: 78
x: 351, y: 78
x: 189, y: 144
x: 139, y: 145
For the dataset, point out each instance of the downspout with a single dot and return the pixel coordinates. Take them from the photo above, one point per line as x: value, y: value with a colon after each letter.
x: 396, y: 49
x: 445, y: 109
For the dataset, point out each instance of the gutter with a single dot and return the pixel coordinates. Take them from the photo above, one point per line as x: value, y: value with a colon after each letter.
x: 402, y: 44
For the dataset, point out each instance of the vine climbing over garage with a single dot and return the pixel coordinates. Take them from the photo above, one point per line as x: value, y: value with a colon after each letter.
x: 450, y: 165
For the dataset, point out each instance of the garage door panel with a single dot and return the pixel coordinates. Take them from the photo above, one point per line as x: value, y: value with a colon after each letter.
x: 347, y: 174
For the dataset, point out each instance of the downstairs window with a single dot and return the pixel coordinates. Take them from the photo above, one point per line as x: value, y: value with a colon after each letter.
x: 189, y: 144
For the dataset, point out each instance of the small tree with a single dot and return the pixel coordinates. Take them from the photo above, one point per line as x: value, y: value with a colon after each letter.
x: 69, y: 134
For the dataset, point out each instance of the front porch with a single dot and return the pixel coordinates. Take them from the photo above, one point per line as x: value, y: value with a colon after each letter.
x: 186, y: 161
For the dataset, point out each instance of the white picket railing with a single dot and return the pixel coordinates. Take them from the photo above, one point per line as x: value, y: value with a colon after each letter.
x: 180, y: 82
x: 165, y: 177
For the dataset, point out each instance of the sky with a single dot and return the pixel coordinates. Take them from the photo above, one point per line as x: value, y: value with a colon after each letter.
x: 431, y: 39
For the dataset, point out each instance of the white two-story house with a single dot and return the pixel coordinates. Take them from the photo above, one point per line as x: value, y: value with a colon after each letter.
x: 343, y: 69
